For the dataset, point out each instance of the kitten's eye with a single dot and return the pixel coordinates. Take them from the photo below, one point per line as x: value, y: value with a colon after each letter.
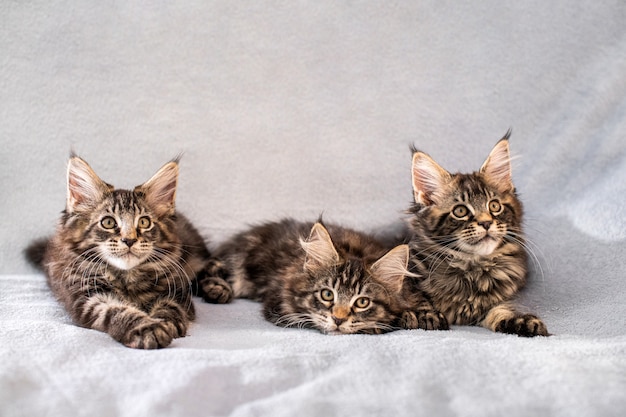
x: 460, y: 211
x: 108, y: 222
x: 362, y: 302
x: 495, y: 206
x: 145, y: 222
x: 327, y: 295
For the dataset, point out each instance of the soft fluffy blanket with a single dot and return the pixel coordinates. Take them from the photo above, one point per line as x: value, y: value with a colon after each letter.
x: 298, y: 108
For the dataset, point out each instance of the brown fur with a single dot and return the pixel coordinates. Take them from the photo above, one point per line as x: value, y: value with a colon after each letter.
x: 277, y: 263
x: 468, y: 246
x: 122, y: 261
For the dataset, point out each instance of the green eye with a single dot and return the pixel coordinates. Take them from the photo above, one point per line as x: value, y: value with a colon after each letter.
x: 460, y: 211
x: 108, y: 222
x: 327, y: 295
x: 495, y: 206
x: 145, y: 222
x: 362, y: 302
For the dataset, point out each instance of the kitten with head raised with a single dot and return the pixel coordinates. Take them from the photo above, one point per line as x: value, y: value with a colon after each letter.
x: 332, y: 279
x: 468, y: 247
x: 123, y: 261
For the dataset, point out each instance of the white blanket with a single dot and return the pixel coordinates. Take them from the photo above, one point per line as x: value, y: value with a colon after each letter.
x: 297, y: 108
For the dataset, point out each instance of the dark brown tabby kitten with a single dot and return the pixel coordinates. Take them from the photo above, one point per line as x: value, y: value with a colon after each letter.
x: 122, y: 261
x: 468, y: 245
x: 347, y: 283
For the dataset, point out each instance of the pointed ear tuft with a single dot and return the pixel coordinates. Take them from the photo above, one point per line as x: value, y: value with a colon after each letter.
x: 429, y: 179
x: 391, y: 269
x: 84, y: 188
x: 160, y: 190
x: 319, y: 248
x: 497, y: 167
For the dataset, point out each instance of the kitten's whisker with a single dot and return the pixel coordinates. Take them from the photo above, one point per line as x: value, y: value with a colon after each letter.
x: 526, y: 244
x: 299, y: 320
x: 170, y: 257
x: 168, y: 265
x: 362, y: 327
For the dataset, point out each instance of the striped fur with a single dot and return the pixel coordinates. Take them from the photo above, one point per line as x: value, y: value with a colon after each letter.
x: 468, y: 247
x: 123, y: 261
x: 347, y: 283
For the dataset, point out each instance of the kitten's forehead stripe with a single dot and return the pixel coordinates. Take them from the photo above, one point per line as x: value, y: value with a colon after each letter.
x: 125, y: 201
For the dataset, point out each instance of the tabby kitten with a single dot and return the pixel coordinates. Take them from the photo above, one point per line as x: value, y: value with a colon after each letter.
x: 468, y: 244
x: 347, y: 283
x: 123, y: 261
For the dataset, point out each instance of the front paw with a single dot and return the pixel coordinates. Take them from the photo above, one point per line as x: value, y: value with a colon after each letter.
x: 527, y: 325
x: 150, y: 334
x: 215, y: 290
x: 427, y: 320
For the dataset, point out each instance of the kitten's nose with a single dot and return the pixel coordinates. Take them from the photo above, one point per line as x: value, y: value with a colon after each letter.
x: 338, y: 321
x: 486, y: 224
x: 129, y: 242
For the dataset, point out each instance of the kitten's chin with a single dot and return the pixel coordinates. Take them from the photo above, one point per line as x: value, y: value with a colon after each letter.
x: 333, y: 330
x: 125, y: 262
x: 484, y: 247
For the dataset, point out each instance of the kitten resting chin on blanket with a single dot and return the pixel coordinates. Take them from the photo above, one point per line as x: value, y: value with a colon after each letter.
x: 329, y: 278
x: 123, y: 261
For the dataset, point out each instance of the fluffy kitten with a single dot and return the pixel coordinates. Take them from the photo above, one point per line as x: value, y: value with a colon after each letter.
x: 468, y: 245
x: 122, y: 261
x: 347, y: 283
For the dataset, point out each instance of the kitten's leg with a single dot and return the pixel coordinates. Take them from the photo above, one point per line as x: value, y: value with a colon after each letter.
x: 424, y: 316
x: 124, y: 322
x: 212, y: 285
x: 504, y: 318
x: 173, y: 315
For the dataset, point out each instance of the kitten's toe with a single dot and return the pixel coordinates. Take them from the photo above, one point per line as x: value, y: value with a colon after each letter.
x: 175, y: 328
x: 527, y: 325
x: 215, y: 290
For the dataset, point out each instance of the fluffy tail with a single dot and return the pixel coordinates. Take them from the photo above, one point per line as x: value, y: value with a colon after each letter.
x: 36, y: 251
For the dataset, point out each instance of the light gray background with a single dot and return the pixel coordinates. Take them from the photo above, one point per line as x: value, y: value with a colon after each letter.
x: 297, y: 108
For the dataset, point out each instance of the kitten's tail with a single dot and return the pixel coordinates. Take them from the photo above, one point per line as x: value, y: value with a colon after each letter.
x: 36, y: 251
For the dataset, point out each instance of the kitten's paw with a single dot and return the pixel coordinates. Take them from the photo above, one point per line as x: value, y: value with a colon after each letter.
x: 408, y: 320
x: 427, y: 320
x: 432, y: 320
x: 150, y: 334
x: 527, y: 325
x: 216, y: 290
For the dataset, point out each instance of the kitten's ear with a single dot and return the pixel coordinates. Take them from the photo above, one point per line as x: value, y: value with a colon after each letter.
x: 319, y: 248
x: 160, y: 190
x: 392, y: 268
x: 84, y: 188
x: 429, y: 179
x: 497, y: 167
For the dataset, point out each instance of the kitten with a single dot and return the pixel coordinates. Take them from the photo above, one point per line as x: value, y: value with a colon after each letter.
x: 468, y: 244
x: 123, y: 261
x: 347, y: 283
